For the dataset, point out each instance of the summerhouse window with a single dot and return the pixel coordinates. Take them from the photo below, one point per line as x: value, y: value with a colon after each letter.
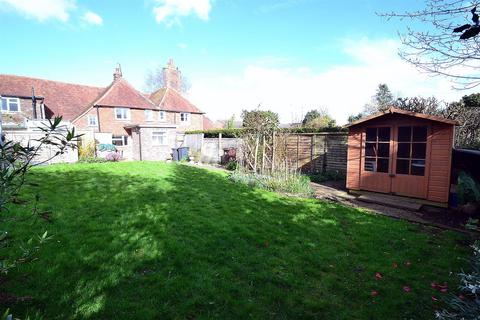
x: 377, y: 149
x: 412, y: 150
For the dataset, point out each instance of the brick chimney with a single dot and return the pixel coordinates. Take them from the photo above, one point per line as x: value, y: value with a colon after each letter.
x: 172, y: 77
x: 118, y: 72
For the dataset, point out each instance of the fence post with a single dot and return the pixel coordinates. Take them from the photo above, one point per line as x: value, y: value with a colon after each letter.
x: 220, y: 150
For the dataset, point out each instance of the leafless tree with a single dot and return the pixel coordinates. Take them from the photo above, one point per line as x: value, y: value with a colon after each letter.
x: 154, y: 81
x: 431, y: 44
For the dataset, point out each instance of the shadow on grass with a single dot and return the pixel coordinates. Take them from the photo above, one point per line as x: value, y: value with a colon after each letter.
x: 150, y: 240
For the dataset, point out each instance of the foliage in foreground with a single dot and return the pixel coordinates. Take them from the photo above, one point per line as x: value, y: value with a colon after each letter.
x: 466, y: 305
x: 16, y: 161
x: 291, y: 182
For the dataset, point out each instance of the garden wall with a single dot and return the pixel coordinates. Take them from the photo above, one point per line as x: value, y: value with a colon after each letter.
x: 46, y: 152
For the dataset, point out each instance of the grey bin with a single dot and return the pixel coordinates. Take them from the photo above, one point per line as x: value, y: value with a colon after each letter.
x: 183, y: 153
x: 179, y: 154
x: 174, y: 154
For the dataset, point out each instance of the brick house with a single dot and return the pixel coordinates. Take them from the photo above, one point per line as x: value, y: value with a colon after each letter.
x: 143, y: 127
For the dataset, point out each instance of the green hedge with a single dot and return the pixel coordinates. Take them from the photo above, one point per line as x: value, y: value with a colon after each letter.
x: 233, y: 133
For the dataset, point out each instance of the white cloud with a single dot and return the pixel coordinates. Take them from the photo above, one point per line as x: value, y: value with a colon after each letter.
x: 170, y: 11
x: 182, y: 45
x: 342, y: 89
x: 41, y: 9
x: 92, y: 18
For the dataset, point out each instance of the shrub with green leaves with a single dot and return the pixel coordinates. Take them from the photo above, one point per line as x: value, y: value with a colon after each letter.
x: 328, y: 176
x: 468, y: 189
x: 232, y: 165
x: 291, y: 183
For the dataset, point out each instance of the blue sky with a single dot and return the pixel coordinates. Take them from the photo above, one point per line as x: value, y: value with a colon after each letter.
x: 288, y: 55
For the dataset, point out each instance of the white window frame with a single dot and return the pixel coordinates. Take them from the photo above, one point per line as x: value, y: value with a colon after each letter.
x: 122, y: 138
x: 185, y: 117
x: 159, y: 138
x: 10, y: 100
x: 162, y: 116
x: 125, y: 113
x: 149, y: 116
x: 93, y: 123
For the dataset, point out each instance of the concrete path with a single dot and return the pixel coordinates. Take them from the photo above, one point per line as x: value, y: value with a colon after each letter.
x: 333, y: 192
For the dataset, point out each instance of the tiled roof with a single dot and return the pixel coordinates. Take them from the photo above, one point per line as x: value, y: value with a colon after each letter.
x: 169, y: 99
x: 208, y: 124
x: 121, y: 94
x: 65, y: 99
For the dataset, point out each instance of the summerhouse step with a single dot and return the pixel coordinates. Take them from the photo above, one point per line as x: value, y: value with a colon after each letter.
x: 390, y: 201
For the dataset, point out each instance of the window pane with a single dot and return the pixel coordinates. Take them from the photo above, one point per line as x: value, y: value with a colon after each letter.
x: 419, y: 150
x: 13, y: 106
x: 370, y: 149
x: 402, y: 166
x: 403, y: 150
x: 372, y: 134
x: 384, y: 150
x: 4, y: 104
x: 383, y: 134
x: 418, y: 167
x: 119, y: 113
x: 420, y: 134
x: 382, y: 165
x: 404, y: 134
x: 370, y: 164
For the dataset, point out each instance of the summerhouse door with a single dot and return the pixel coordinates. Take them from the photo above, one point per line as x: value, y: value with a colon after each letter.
x: 410, y: 160
x: 375, y: 161
x: 395, y: 160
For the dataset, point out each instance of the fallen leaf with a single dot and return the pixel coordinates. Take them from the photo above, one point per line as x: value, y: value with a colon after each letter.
x: 408, y: 263
x: 407, y: 289
x: 395, y: 265
x: 378, y: 275
x: 443, y: 290
x: 434, y: 285
x: 461, y: 296
x: 434, y: 298
x: 374, y: 293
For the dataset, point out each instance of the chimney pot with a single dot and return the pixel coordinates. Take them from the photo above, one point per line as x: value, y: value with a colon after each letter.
x: 118, y: 72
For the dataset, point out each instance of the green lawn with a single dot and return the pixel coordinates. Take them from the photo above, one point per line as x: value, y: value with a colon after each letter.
x: 159, y: 241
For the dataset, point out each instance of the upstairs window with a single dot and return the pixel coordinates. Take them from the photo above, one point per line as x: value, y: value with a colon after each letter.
x: 92, y: 121
x: 162, y: 116
x: 122, y: 113
x: 148, y: 115
x: 159, y: 138
x: 120, y: 141
x: 11, y: 104
x: 185, y: 117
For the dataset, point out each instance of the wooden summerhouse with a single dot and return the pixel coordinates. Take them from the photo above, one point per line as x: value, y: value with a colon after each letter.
x: 401, y: 153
